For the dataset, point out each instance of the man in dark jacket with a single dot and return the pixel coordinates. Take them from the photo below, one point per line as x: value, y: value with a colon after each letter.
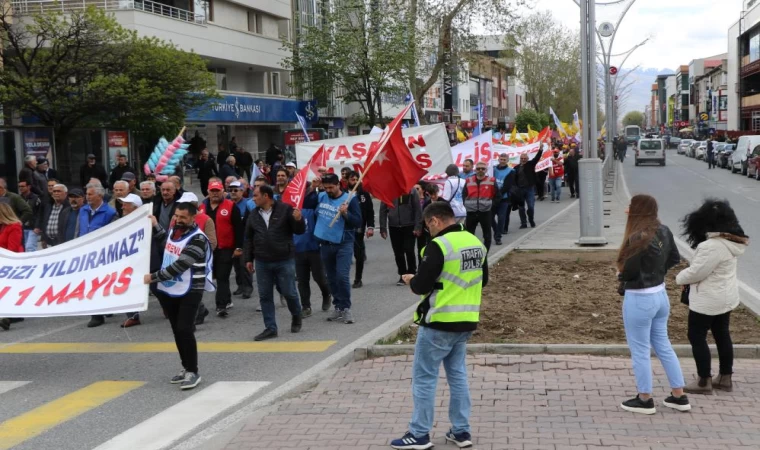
x: 403, y: 223
x: 368, y: 227
x: 119, y: 170
x: 92, y: 169
x: 244, y: 161
x: 228, y: 168
x: 27, y: 173
x: 526, y: 182
x: 571, y: 172
x: 273, y: 155
x: 505, y: 179
x: 18, y: 204
x: 31, y: 237
x: 53, y: 220
x: 269, y: 244
x: 710, y: 154
x: 206, y: 169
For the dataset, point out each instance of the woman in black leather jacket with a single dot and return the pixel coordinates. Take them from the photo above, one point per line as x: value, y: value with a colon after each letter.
x: 647, y: 252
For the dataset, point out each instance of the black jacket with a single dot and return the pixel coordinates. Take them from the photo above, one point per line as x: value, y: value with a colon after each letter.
x: 228, y: 171
x: 424, y: 283
x: 35, y: 203
x: 571, y: 165
x: 97, y: 171
x: 273, y: 243
x: 63, y: 218
x: 648, y: 267
x: 118, y: 172
x: 529, y: 171
x: 368, y: 210
x: 206, y: 170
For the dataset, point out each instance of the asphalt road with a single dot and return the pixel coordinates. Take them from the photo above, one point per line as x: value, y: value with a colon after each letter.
x: 684, y: 183
x: 55, y: 399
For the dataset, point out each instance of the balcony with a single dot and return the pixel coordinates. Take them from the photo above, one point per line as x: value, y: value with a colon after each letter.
x: 750, y: 68
x: 751, y: 101
x: 23, y: 7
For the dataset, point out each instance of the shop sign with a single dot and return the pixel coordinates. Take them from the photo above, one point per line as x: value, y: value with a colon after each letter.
x: 239, y: 109
x: 38, y: 142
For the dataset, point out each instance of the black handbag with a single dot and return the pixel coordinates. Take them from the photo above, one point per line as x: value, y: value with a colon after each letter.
x: 685, y: 289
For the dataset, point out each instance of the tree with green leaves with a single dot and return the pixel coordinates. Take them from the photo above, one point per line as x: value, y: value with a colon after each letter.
x: 442, y: 33
x: 82, y: 69
x: 633, y: 118
x: 546, y: 54
x: 357, y: 52
x: 528, y: 116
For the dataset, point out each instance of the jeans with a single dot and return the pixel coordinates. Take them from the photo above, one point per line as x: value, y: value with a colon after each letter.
x: 337, y: 261
x: 223, y: 269
x: 645, y: 317
x: 500, y: 218
x: 31, y: 241
x: 483, y: 218
x: 243, y: 278
x: 698, y: 326
x: 284, y: 274
x: 402, y: 241
x: 308, y: 265
x: 432, y: 348
x: 181, y: 312
x: 529, y: 196
x: 710, y: 157
x: 360, y: 252
x: 555, y: 184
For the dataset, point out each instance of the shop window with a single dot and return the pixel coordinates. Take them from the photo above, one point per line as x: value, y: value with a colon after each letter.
x: 254, y: 22
x: 275, y: 83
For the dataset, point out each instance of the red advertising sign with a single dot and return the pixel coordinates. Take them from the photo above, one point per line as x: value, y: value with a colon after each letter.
x: 293, y: 137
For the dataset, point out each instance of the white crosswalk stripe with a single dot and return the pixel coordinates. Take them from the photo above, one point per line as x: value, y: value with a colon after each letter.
x: 6, y: 386
x: 174, y: 422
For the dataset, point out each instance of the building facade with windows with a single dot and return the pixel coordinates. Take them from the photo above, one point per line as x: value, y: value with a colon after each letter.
x: 743, y: 70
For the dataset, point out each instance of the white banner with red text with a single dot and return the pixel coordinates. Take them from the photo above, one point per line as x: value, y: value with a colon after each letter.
x: 429, y: 145
x: 99, y: 273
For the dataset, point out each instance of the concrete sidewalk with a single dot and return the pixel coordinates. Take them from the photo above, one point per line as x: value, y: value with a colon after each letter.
x: 519, y: 402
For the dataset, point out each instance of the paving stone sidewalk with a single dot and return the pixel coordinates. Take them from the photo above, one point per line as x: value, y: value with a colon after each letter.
x: 519, y: 402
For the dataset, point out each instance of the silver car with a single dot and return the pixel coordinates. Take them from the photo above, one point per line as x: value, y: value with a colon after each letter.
x: 683, y: 146
x: 650, y: 150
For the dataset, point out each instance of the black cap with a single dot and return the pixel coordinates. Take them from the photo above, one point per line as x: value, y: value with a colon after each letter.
x: 76, y: 193
x: 90, y: 156
x: 41, y: 160
x: 330, y: 178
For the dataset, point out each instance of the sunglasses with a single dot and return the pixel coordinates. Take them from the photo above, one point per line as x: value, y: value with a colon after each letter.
x: 481, y: 169
x: 235, y: 190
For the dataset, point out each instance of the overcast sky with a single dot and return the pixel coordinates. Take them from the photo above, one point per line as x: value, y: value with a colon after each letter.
x: 680, y: 30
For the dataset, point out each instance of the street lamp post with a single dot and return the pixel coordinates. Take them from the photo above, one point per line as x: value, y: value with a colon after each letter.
x: 590, y: 167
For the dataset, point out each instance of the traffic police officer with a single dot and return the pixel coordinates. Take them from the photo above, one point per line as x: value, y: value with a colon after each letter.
x: 449, y: 279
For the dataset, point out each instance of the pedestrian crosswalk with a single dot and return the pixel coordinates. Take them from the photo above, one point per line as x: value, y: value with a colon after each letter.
x: 167, y: 347
x: 155, y: 433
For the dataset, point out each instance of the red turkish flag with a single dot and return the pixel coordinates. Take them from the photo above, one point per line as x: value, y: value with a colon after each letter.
x: 296, y: 189
x: 392, y: 171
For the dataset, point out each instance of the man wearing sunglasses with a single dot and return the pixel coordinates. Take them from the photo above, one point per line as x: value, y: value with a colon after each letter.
x: 479, y: 192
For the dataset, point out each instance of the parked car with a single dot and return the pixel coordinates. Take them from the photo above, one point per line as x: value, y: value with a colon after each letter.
x: 650, y: 150
x: 701, y: 150
x: 684, y: 145
x: 753, y: 163
x: 692, y: 150
x: 675, y: 141
x: 724, y: 155
x: 739, y: 156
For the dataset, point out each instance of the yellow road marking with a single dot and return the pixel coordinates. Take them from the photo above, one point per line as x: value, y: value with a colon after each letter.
x: 168, y: 347
x: 35, y: 422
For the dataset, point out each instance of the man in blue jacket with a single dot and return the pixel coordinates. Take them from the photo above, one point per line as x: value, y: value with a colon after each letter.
x: 309, y: 261
x: 337, y: 241
x: 95, y: 215
x: 505, y: 178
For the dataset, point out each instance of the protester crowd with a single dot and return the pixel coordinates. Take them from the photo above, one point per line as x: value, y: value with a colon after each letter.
x: 246, y: 229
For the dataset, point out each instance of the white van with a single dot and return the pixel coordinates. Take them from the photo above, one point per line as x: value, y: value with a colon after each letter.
x: 739, y: 156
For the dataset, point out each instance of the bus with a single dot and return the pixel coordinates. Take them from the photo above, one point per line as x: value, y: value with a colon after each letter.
x: 632, y: 134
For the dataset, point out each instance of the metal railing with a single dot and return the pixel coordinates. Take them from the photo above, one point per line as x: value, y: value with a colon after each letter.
x: 35, y: 6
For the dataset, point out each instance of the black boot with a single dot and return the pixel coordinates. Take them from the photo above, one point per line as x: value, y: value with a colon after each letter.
x: 295, y: 324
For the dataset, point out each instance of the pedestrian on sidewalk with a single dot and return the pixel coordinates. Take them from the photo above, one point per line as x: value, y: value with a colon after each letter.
x: 185, y: 274
x: 556, y: 174
x: 450, y: 280
x: 269, y: 249
x: 526, y: 182
x: 479, y: 192
x: 402, y: 223
x: 505, y: 179
x: 710, y: 153
x: 714, y: 232
x: 571, y: 169
x: 647, y: 253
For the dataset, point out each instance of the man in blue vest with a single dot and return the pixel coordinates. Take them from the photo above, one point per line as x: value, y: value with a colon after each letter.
x: 336, y: 240
x: 505, y: 179
x: 95, y: 215
x: 449, y: 280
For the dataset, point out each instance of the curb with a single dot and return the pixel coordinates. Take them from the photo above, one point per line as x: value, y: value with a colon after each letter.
x: 682, y: 350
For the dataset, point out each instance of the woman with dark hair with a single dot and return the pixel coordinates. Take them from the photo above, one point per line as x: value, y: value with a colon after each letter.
x: 11, y: 239
x: 647, y: 252
x: 714, y: 232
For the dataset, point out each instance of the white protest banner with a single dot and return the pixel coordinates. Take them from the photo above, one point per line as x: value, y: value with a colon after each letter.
x: 99, y: 273
x: 429, y: 145
x: 514, y: 154
x: 477, y: 149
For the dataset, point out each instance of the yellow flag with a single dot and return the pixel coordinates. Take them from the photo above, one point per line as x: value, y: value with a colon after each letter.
x: 532, y: 134
x: 461, y: 136
x: 513, y: 137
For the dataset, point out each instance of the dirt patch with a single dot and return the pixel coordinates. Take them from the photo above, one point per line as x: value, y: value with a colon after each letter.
x: 570, y: 297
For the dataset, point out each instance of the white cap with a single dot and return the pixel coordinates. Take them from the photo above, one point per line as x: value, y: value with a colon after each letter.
x: 291, y: 164
x: 188, y: 197
x: 236, y: 184
x: 133, y: 199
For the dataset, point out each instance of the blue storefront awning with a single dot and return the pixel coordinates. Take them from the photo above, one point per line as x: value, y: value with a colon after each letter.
x: 245, y: 109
